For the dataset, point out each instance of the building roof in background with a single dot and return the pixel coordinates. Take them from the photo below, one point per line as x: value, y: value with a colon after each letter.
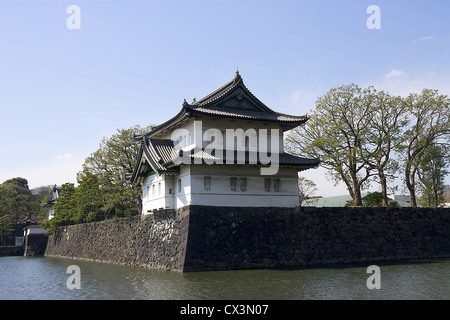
x: 56, y: 191
x: 339, y: 201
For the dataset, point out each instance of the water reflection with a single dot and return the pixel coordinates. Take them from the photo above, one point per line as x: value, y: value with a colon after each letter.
x: 45, y: 278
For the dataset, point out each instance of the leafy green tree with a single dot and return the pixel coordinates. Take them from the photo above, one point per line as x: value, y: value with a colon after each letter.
x: 432, y: 171
x: 42, y: 195
x: 115, y: 158
x: 16, y: 199
x: 65, y: 209
x: 6, y: 228
x: 103, y: 191
x: 335, y: 133
x: 383, y: 138
x: 429, y: 124
x: 375, y: 199
x: 19, y: 183
x: 7, y: 200
x: 89, y: 197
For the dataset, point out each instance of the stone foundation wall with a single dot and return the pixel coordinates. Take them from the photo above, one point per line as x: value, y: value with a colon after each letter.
x: 197, y: 238
x: 234, y: 238
x: 156, y: 241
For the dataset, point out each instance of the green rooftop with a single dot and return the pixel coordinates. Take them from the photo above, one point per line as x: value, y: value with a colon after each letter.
x: 339, y: 201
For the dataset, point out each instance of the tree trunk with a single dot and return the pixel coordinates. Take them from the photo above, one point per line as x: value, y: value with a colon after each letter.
x: 357, y: 199
x: 383, y: 182
x: 409, y: 179
x: 413, y: 198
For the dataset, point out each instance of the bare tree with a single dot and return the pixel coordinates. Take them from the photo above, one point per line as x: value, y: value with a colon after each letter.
x: 306, y: 189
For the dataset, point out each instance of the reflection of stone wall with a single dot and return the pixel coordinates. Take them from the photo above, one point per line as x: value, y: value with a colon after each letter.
x: 11, y: 251
x: 215, y: 238
x: 35, y: 244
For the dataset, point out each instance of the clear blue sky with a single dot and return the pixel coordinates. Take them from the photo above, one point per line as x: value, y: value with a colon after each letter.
x: 133, y: 62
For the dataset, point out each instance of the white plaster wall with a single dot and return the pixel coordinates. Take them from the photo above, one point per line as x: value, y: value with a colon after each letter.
x: 222, y: 125
x: 255, y: 195
x: 35, y: 230
x: 191, y: 177
x: 171, y: 196
x: 157, y: 192
x: 183, y: 195
x: 220, y: 194
x: 169, y: 190
x: 150, y: 197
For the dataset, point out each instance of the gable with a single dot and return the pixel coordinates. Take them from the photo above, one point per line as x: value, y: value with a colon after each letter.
x: 237, y: 100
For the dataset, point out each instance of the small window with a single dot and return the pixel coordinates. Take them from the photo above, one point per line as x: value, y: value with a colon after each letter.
x: 148, y: 192
x: 170, y: 191
x: 159, y: 188
x: 153, y: 190
x: 179, y: 185
x: 276, y: 185
x: 207, y: 183
x: 243, y: 184
x: 233, y: 182
x: 267, y: 184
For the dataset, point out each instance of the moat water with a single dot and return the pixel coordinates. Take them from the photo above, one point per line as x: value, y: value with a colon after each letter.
x: 39, y: 278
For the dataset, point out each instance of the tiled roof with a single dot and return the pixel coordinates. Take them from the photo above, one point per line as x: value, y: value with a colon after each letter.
x: 160, y: 152
x: 249, y: 115
x: 241, y: 104
x: 161, y: 156
x: 284, y: 159
x: 232, y: 100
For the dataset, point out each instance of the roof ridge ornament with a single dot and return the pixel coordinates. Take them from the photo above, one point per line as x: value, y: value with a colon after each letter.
x: 237, y: 77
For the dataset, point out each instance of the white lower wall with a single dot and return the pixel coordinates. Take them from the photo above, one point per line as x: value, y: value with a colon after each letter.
x: 157, y: 193
x: 35, y: 229
x: 183, y: 188
x: 255, y: 195
x: 188, y: 187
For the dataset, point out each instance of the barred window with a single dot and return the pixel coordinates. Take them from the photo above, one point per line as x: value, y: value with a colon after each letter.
x: 267, y: 184
x: 207, y: 183
x: 276, y: 185
x: 233, y: 182
x: 243, y: 184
